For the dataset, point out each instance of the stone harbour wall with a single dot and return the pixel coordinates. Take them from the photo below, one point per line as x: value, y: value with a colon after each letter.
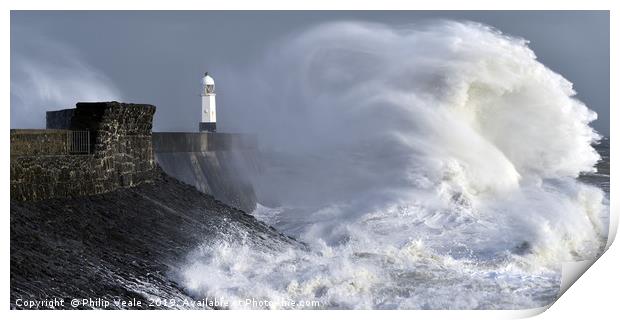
x: 219, y: 164
x: 121, y: 153
x: 59, y: 119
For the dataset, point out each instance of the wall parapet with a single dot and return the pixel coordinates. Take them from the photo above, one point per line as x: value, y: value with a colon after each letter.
x: 36, y: 142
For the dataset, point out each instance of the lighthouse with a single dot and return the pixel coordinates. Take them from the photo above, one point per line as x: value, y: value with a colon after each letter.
x: 208, y: 120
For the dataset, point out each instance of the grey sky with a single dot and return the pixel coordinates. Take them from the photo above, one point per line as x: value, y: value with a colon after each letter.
x: 159, y: 57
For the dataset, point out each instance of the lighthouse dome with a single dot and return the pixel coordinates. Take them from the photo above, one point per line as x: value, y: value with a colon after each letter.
x: 207, y: 80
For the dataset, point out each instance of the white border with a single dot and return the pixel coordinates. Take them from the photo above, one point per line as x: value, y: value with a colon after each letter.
x: 593, y: 295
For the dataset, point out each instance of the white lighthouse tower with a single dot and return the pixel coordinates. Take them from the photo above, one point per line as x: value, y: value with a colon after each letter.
x: 208, y: 120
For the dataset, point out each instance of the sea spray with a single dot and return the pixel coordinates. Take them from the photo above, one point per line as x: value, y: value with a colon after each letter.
x: 425, y: 166
x: 51, y: 74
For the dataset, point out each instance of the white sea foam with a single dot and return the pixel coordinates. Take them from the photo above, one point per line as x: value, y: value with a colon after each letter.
x: 427, y: 166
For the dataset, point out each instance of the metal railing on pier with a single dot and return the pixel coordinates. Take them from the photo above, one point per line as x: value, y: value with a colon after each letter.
x: 78, y: 142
